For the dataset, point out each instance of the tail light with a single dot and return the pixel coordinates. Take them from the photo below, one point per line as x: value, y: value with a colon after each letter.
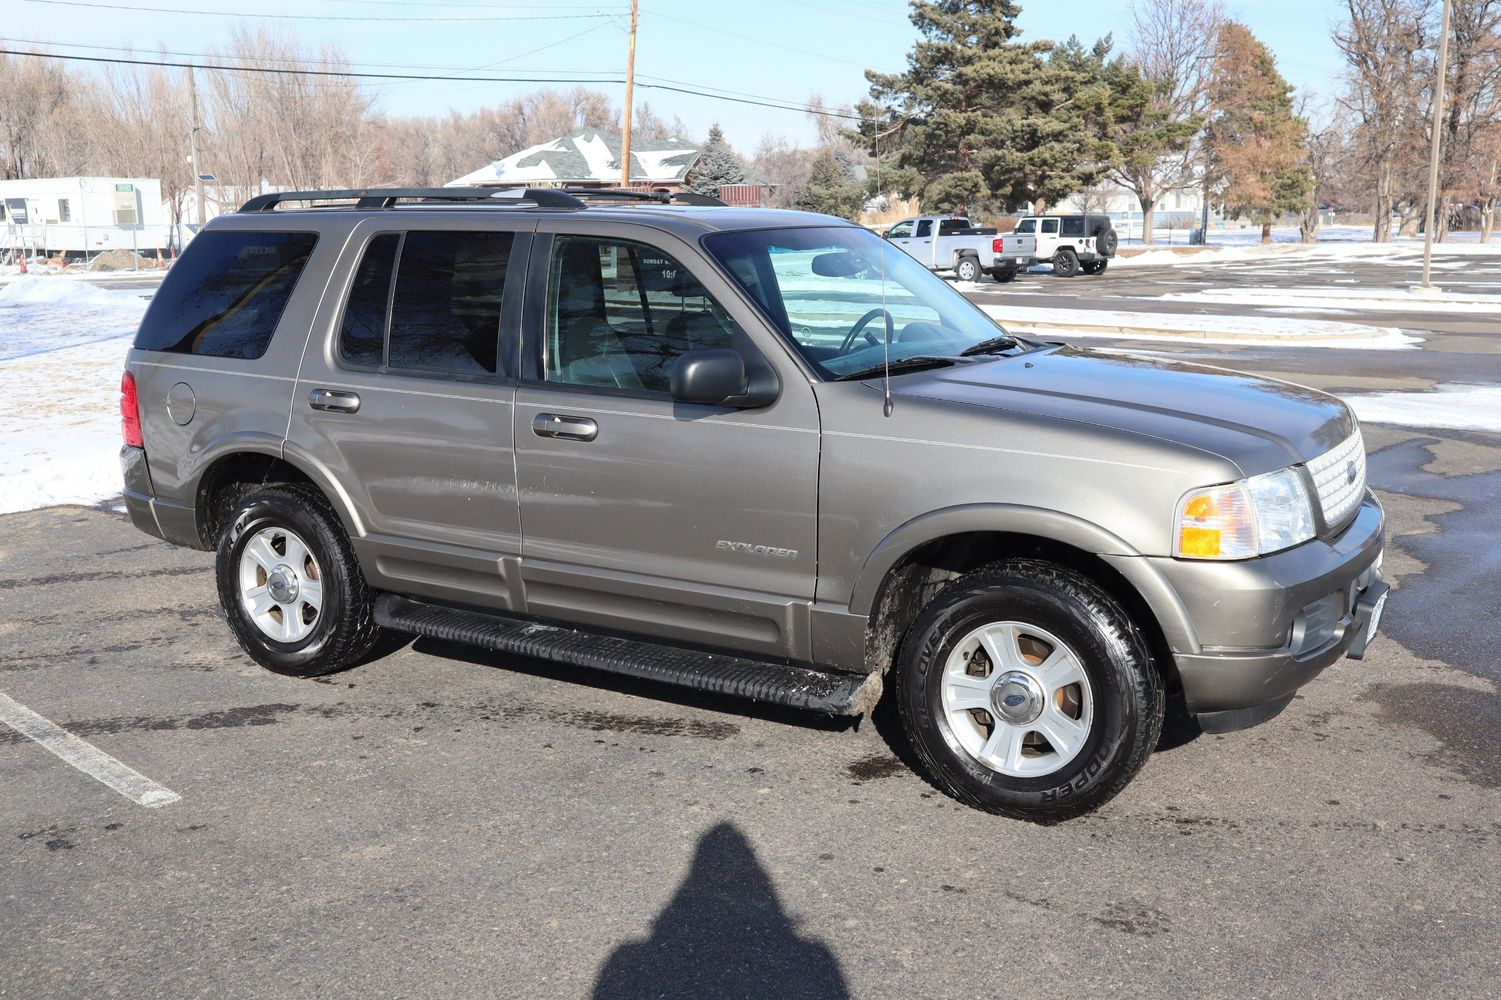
x: 130, y: 412
x: 997, y: 246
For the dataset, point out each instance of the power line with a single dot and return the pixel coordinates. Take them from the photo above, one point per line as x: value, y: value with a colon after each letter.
x: 316, y: 17
x: 351, y: 75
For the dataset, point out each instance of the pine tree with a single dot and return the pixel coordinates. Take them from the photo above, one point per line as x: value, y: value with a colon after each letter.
x: 832, y: 188
x: 980, y: 118
x: 1256, y: 140
x: 717, y: 165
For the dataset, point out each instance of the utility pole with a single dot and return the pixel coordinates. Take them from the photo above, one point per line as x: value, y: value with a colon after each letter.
x: 193, y: 146
x: 1431, y: 222
x: 630, y: 83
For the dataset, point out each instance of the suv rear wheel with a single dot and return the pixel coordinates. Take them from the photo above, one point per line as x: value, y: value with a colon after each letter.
x: 1065, y: 264
x: 1027, y: 691
x: 290, y: 585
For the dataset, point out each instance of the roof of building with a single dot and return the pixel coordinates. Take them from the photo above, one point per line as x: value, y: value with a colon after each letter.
x: 587, y: 156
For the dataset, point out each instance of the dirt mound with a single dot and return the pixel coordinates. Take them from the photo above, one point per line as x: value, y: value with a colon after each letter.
x: 117, y: 260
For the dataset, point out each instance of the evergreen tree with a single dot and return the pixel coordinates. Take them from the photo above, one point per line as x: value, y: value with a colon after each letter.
x: 980, y: 118
x: 1256, y: 140
x: 832, y: 188
x: 717, y: 165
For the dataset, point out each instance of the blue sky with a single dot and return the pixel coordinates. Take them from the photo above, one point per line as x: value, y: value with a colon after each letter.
x: 779, y: 49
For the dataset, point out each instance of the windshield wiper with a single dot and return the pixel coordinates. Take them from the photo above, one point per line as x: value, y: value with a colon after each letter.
x: 992, y: 346
x: 915, y: 363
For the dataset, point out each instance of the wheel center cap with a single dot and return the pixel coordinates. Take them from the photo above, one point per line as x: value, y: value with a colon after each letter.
x: 281, y: 583
x: 1016, y: 698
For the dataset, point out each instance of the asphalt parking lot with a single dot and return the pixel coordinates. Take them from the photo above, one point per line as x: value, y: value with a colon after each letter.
x: 442, y: 822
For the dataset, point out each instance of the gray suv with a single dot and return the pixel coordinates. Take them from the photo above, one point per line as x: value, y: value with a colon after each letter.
x: 751, y: 452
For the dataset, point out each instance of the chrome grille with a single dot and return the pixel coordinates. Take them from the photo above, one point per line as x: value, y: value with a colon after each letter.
x: 1339, y: 492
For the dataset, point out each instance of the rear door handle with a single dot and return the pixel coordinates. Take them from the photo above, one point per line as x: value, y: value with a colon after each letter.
x: 572, y: 428
x: 331, y: 399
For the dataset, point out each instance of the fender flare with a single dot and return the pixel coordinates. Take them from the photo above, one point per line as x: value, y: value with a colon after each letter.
x: 1037, y: 522
x: 272, y: 446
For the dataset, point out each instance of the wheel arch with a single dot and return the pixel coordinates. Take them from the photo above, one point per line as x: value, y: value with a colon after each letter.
x: 227, y: 474
x: 917, y: 559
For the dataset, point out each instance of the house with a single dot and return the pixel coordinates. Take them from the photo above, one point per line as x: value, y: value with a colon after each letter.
x: 83, y: 216
x: 590, y: 158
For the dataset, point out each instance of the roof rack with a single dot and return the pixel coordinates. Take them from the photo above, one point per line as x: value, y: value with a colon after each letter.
x: 628, y: 194
x: 366, y: 198
x: 567, y: 198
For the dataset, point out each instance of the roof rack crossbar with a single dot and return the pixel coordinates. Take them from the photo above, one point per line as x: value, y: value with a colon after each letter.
x: 368, y: 198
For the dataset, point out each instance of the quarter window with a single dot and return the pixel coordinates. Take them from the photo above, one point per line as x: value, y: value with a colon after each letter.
x: 1073, y: 226
x: 226, y: 294
x: 620, y: 314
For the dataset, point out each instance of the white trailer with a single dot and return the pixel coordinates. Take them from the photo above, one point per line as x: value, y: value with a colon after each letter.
x: 83, y: 216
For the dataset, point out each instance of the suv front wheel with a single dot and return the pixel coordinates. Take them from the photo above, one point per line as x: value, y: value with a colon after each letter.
x: 290, y: 584
x: 1026, y: 690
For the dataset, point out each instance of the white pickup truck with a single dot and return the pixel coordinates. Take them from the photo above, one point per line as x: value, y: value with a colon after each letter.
x: 950, y: 243
x: 1071, y: 243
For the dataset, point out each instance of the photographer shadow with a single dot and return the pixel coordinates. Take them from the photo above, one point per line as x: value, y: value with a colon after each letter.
x: 724, y: 934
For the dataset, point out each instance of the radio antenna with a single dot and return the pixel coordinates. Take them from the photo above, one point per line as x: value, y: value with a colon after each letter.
x: 886, y: 403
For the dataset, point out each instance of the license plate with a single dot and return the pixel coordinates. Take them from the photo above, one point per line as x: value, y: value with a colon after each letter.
x: 1370, y: 629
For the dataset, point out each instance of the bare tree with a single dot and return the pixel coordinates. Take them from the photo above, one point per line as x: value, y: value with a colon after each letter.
x: 37, y: 100
x: 1385, y: 42
x: 1173, y: 44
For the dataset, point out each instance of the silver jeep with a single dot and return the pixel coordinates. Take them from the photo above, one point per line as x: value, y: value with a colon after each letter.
x: 752, y: 452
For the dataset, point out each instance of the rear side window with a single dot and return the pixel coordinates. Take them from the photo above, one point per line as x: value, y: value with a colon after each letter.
x: 924, y: 228
x: 428, y: 302
x: 226, y: 294
x: 1073, y: 226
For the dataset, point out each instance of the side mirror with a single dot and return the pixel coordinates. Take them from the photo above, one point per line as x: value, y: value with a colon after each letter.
x: 709, y: 375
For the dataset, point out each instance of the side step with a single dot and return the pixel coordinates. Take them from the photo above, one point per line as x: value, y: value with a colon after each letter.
x: 779, y: 684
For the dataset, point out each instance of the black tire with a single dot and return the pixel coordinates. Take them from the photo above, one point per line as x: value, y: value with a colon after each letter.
x: 1065, y: 263
x: 344, y: 629
x: 967, y: 269
x: 1107, y: 242
x: 1003, y: 275
x: 1127, y: 700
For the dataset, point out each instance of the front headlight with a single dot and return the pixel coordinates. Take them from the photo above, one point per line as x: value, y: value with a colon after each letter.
x: 1253, y: 517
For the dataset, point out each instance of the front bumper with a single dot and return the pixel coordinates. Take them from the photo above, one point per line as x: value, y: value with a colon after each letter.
x: 1268, y: 626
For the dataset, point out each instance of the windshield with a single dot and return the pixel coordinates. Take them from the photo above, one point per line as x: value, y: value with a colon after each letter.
x: 832, y: 290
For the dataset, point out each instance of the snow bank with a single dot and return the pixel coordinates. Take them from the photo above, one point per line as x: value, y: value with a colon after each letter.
x: 1453, y: 407
x: 1250, y: 330
x: 62, y: 347
x: 47, y: 314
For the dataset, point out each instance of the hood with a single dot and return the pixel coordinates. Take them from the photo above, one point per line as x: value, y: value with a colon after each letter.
x: 1259, y: 424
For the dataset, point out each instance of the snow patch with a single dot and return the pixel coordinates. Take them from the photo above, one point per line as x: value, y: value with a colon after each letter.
x: 1454, y: 407
x: 1343, y: 299
x: 1250, y: 330
x: 38, y: 315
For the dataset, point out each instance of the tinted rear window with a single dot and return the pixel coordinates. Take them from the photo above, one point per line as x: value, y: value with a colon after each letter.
x: 225, y: 295
x: 1073, y: 226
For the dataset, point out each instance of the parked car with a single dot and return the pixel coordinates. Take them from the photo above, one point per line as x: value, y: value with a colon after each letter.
x: 747, y: 451
x: 950, y: 243
x: 1071, y: 243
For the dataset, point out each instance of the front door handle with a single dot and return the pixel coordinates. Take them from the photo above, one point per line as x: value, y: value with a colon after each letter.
x: 553, y: 425
x: 331, y: 399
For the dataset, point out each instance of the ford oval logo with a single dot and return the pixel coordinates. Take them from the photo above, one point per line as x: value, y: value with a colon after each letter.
x: 1013, y: 700
x: 1351, y: 471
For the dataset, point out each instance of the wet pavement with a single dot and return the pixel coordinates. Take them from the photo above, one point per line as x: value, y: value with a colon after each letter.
x: 449, y: 823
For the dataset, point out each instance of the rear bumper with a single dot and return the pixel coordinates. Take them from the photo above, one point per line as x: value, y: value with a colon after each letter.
x: 1268, y: 626
x: 168, y: 521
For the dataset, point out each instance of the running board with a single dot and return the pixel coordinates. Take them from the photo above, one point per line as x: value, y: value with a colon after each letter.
x: 779, y: 684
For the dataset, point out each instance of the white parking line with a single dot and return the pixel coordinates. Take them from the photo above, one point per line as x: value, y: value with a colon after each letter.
x: 85, y: 756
